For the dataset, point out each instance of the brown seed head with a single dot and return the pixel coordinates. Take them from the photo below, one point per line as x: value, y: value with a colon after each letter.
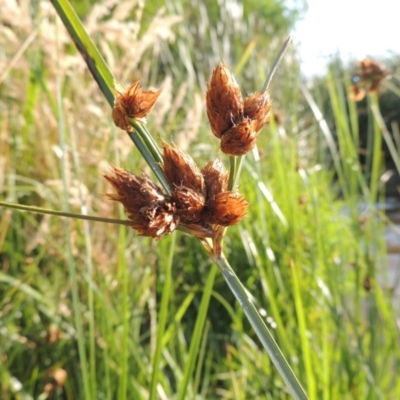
x: 180, y: 169
x: 356, y: 93
x: 226, y: 208
x: 133, y: 192
x: 215, y: 178
x: 368, y: 78
x: 240, y: 139
x: 151, y: 212
x: 189, y: 204
x: 224, y: 101
x: 257, y: 107
x: 370, y: 69
x: 133, y: 102
x: 157, y: 219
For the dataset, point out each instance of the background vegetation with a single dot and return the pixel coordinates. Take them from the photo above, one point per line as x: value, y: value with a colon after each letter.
x: 311, y: 250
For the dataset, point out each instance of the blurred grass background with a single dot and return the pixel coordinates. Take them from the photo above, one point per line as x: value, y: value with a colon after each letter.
x: 311, y: 250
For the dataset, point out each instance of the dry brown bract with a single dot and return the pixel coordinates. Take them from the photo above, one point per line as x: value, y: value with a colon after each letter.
x: 198, y: 198
x: 133, y: 102
x: 234, y: 121
x: 368, y: 79
x: 151, y: 212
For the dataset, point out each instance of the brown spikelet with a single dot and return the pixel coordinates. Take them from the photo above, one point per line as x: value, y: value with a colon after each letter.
x: 134, y: 102
x: 189, y: 204
x: 151, y: 212
x: 256, y: 108
x: 215, y: 178
x: 368, y: 78
x: 224, y: 100
x: 240, y: 139
x: 180, y: 169
x: 356, y: 93
x: 371, y: 70
x: 226, y: 208
x: 234, y: 121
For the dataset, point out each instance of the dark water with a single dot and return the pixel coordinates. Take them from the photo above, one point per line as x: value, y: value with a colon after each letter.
x: 392, y: 238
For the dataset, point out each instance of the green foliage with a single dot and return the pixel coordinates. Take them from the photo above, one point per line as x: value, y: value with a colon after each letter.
x: 314, y: 261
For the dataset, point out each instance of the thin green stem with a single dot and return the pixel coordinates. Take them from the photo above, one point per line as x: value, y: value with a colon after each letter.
x: 40, y: 210
x: 276, y: 63
x: 147, y: 139
x: 197, y: 332
x: 261, y: 329
x: 86, y: 47
x: 76, y: 305
x: 198, y: 231
x: 125, y: 315
x: 236, y: 165
x: 232, y: 171
x: 162, y: 317
x: 154, y: 165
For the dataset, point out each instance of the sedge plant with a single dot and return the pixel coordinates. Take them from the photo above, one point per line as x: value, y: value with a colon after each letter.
x: 204, y: 202
x: 154, y: 318
x: 201, y: 202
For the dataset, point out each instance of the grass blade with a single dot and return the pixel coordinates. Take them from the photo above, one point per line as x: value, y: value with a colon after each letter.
x: 162, y: 318
x: 86, y: 47
x: 197, y: 333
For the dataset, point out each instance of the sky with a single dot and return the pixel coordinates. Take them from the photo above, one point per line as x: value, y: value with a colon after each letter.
x: 353, y: 28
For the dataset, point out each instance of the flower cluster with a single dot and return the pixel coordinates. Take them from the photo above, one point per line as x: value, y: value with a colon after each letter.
x: 199, y: 198
x: 368, y: 79
x: 235, y: 121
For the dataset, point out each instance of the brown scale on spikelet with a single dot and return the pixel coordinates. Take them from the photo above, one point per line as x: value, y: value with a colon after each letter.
x: 224, y: 101
x: 240, y: 139
x: 215, y: 178
x: 234, y: 121
x: 257, y: 107
x: 189, y: 204
x: 222, y: 207
x: 134, y: 102
x: 151, y: 212
x: 226, y: 208
x: 180, y: 169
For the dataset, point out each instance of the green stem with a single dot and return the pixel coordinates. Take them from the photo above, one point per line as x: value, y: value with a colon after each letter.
x: 236, y: 165
x: 198, y: 231
x: 86, y: 47
x: 162, y: 318
x: 232, y: 171
x: 261, y: 329
x: 276, y: 63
